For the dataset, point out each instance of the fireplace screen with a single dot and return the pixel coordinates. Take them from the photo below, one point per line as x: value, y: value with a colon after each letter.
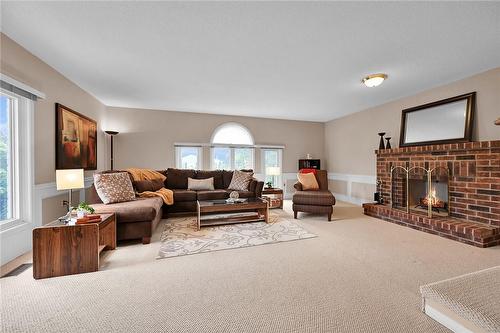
x: 420, y: 189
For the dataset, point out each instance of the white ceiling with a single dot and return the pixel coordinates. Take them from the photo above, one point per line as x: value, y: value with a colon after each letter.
x: 290, y: 60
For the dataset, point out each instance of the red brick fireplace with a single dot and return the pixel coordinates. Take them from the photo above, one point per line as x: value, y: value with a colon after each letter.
x: 465, y: 179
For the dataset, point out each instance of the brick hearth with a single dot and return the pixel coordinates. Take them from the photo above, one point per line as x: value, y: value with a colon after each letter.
x: 477, y: 234
x: 474, y: 186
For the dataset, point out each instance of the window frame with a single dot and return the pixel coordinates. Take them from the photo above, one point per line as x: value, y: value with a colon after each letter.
x: 12, y: 157
x: 178, y: 161
x: 232, y: 124
x: 212, y: 156
x: 279, y: 179
x: 22, y: 152
x: 252, y: 157
x: 231, y: 156
x: 232, y: 146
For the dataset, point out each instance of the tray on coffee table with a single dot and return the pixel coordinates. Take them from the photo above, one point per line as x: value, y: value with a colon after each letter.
x: 218, y: 212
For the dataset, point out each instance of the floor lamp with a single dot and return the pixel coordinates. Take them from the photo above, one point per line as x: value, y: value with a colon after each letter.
x: 112, y: 134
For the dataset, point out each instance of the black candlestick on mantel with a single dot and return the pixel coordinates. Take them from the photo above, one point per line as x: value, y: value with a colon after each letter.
x: 381, y: 144
x: 388, y: 145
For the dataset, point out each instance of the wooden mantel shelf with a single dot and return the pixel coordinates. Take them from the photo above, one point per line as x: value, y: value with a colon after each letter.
x: 482, y: 145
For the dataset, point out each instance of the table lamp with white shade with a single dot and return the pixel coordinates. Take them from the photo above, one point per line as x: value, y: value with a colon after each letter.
x: 69, y: 179
x: 273, y: 171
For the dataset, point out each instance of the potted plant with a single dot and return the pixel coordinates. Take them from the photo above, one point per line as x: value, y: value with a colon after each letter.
x: 84, y: 209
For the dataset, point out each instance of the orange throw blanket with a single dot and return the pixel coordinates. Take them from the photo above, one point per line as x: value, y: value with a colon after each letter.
x: 164, y: 193
x: 145, y: 174
x: 148, y: 174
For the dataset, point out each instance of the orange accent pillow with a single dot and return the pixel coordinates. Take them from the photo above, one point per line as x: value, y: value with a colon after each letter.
x: 308, y: 181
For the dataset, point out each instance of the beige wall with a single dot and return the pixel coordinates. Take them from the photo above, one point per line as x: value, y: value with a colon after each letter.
x: 147, y: 137
x: 350, y: 141
x: 23, y: 66
x: 344, y: 145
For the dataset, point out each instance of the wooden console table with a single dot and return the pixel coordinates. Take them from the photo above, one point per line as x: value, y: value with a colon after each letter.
x: 60, y: 249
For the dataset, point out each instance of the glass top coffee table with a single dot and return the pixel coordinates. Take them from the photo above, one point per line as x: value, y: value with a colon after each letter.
x: 217, y: 212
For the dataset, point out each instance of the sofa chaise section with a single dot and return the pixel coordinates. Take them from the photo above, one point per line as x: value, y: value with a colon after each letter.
x: 136, y: 219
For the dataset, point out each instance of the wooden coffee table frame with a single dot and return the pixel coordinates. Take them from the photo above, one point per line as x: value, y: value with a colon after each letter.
x: 261, y: 206
x: 60, y: 249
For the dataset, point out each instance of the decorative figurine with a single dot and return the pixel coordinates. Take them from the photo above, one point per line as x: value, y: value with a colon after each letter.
x: 388, y: 145
x: 377, y: 196
x: 381, y: 144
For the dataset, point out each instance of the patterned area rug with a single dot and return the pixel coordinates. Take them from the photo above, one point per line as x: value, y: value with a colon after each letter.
x: 181, y: 238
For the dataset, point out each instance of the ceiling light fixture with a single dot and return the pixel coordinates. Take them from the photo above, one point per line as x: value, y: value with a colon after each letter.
x: 374, y: 80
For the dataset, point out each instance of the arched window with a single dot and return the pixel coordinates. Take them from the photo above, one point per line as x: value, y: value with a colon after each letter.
x: 232, y: 134
x: 230, y: 149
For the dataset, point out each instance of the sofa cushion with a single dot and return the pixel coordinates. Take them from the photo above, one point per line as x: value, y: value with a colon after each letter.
x: 253, y: 184
x: 184, y: 195
x: 215, y: 174
x: 212, y: 195
x: 315, y: 198
x: 243, y: 194
x: 114, y: 187
x: 178, y: 178
x: 138, y: 210
x: 148, y: 185
x: 206, y: 184
x: 226, y: 178
x: 240, y: 180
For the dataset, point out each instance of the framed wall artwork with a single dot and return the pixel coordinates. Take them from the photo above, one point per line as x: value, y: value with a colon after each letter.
x: 76, y: 140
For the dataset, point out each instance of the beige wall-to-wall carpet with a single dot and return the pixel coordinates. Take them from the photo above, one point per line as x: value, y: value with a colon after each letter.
x: 348, y: 279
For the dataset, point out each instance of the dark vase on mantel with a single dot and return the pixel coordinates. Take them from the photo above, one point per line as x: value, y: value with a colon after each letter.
x: 388, y: 145
x: 381, y: 144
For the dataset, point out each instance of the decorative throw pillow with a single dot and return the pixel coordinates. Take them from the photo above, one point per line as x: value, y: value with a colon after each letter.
x: 308, y: 181
x: 114, y: 187
x: 240, y: 180
x: 308, y: 171
x: 148, y: 185
x: 206, y: 184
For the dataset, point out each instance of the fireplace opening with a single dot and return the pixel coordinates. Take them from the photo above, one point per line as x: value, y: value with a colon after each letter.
x: 412, y: 190
x: 420, y: 197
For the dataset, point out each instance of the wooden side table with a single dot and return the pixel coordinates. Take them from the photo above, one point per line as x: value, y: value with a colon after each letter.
x: 274, y: 196
x: 60, y: 249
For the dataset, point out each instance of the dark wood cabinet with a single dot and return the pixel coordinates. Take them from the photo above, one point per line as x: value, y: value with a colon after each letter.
x: 309, y: 164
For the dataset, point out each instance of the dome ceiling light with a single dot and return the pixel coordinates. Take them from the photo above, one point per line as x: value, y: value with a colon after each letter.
x: 374, y: 80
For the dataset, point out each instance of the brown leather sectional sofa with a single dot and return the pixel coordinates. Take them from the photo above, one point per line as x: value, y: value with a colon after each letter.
x: 138, y: 219
x: 185, y: 200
